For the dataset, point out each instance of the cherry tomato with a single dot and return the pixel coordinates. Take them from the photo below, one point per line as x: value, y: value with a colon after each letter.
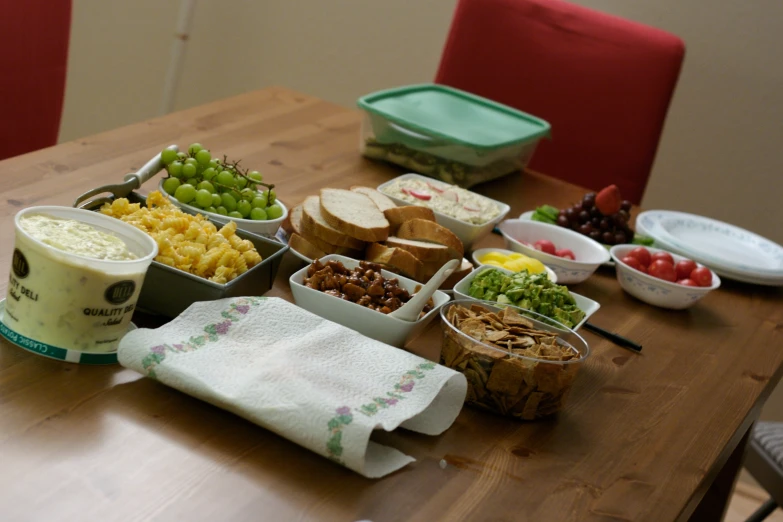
x: 642, y: 254
x: 565, y: 253
x: 702, y: 276
x: 687, y: 282
x: 633, y: 263
x: 662, y: 270
x: 663, y: 256
x: 684, y: 269
x: 544, y: 245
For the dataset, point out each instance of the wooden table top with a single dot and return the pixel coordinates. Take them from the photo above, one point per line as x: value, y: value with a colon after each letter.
x: 642, y: 437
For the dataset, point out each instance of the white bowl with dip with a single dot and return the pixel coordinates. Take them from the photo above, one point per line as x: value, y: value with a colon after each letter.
x: 60, y: 293
x: 468, y: 232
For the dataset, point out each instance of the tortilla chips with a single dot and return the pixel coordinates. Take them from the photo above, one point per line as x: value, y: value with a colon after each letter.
x: 495, y: 356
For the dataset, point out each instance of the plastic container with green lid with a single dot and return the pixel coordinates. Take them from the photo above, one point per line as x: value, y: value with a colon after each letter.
x: 448, y: 134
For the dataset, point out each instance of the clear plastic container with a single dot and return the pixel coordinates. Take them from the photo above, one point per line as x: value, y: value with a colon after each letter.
x: 72, y: 301
x: 448, y: 134
x: 506, y: 383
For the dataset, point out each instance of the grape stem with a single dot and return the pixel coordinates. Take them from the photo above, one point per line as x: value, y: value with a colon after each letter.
x: 237, y: 169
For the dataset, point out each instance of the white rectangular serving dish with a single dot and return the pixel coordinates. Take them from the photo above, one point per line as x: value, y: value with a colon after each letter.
x: 468, y: 233
x: 371, y: 323
x: 461, y: 291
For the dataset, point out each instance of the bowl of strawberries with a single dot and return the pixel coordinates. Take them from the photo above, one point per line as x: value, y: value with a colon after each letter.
x: 661, y: 278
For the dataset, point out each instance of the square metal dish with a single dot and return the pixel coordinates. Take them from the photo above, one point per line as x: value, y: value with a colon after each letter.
x: 168, y: 291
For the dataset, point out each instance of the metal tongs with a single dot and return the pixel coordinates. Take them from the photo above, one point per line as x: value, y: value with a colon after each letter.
x: 131, y: 182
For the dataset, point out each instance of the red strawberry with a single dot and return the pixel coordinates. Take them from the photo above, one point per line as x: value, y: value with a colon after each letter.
x: 609, y: 201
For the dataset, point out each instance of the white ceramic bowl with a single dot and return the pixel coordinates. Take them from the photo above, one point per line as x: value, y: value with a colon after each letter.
x: 656, y: 291
x: 371, y: 323
x: 462, y: 289
x: 268, y: 228
x: 468, y: 233
x: 589, y: 254
x: 477, y: 254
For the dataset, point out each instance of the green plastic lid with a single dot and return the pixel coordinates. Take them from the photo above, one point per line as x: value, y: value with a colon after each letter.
x: 455, y: 116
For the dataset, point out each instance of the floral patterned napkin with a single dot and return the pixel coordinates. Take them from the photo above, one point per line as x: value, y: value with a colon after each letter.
x: 317, y: 383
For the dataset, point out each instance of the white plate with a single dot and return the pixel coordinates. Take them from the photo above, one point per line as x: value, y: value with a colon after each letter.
x: 468, y: 233
x: 528, y: 216
x: 719, y: 245
x: 461, y: 289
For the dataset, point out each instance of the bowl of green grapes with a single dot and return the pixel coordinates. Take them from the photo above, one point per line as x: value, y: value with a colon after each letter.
x: 221, y: 190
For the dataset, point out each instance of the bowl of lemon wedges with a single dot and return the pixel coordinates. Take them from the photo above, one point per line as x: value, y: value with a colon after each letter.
x: 511, y: 260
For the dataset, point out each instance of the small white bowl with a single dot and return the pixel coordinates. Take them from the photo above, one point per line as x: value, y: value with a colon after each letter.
x: 371, y: 323
x: 468, y: 233
x: 268, y: 228
x: 551, y: 275
x: 589, y: 254
x: 462, y: 291
x: 654, y: 291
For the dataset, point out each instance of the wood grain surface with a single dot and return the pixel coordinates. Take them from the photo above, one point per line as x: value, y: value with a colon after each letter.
x: 642, y: 438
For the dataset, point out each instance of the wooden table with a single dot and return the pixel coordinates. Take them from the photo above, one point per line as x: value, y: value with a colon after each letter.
x: 643, y: 438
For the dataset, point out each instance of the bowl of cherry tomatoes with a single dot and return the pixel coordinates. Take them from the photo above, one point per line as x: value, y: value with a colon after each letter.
x: 661, y: 278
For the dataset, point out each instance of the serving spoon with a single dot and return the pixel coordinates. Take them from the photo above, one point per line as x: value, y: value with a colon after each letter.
x: 410, y: 311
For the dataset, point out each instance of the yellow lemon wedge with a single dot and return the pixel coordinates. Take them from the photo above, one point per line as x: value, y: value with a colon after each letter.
x: 493, y: 256
x: 516, y: 255
x: 534, y: 266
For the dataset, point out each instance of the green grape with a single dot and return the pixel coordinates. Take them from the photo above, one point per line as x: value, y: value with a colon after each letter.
x: 258, y: 214
x: 229, y: 202
x: 274, y: 211
x: 203, y: 157
x: 255, y: 175
x: 206, y: 185
x: 168, y: 155
x: 241, y: 182
x: 234, y: 214
x: 175, y: 169
x: 188, y: 170
x: 209, y: 173
x: 216, y: 200
x: 248, y: 194
x: 203, y: 198
x: 244, y: 208
x: 222, y: 210
x: 170, y: 185
x: 191, y: 161
x: 194, y: 148
x: 272, y: 196
x: 213, y: 163
x: 211, y: 209
x: 258, y: 202
x: 185, y: 193
x: 225, y: 178
x: 182, y: 156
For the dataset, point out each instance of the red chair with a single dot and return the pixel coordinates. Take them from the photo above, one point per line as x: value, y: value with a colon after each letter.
x: 34, y: 41
x: 603, y: 83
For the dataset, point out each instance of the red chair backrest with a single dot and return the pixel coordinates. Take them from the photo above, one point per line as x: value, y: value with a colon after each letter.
x: 33, y: 56
x: 602, y: 82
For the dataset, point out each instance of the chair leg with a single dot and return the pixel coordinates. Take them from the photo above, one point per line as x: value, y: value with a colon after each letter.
x: 764, y: 511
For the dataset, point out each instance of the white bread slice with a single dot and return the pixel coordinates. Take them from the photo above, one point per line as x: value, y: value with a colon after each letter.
x: 404, y: 262
x: 381, y: 201
x: 293, y: 222
x: 304, y: 247
x: 353, y: 214
x: 315, y: 221
x: 457, y: 275
x: 423, y: 251
x: 307, y: 233
x: 399, y: 215
x: 424, y: 230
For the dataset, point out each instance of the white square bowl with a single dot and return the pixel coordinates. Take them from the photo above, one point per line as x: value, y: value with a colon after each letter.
x: 468, y: 233
x: 371, y: 323
x: 462, y: 291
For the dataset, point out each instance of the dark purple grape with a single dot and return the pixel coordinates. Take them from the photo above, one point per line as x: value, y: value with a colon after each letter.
x: 570, y: 213
x: 595, y: 234
x: 605, y: 224
x: 626, y: 205
x: 625, y: 215
x: 607, y: 238
x: 618, y: 219
x: 562, y: 212
x: 588, y: 201
x: 584, y: 216
x: 586, y: 229
x: 620, y: 238
x: 562, y: 220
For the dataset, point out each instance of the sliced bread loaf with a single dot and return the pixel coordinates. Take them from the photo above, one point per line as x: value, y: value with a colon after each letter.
x: 425, y: 230
x: 424, y: 251
x: 304, y: 247
x: 315, y: 221
x: 399, y: 215
x: 353, y: 214
x: 308, y: 234
x: 404, y: 262
x: 293, y: 223
x: 381, y: 200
